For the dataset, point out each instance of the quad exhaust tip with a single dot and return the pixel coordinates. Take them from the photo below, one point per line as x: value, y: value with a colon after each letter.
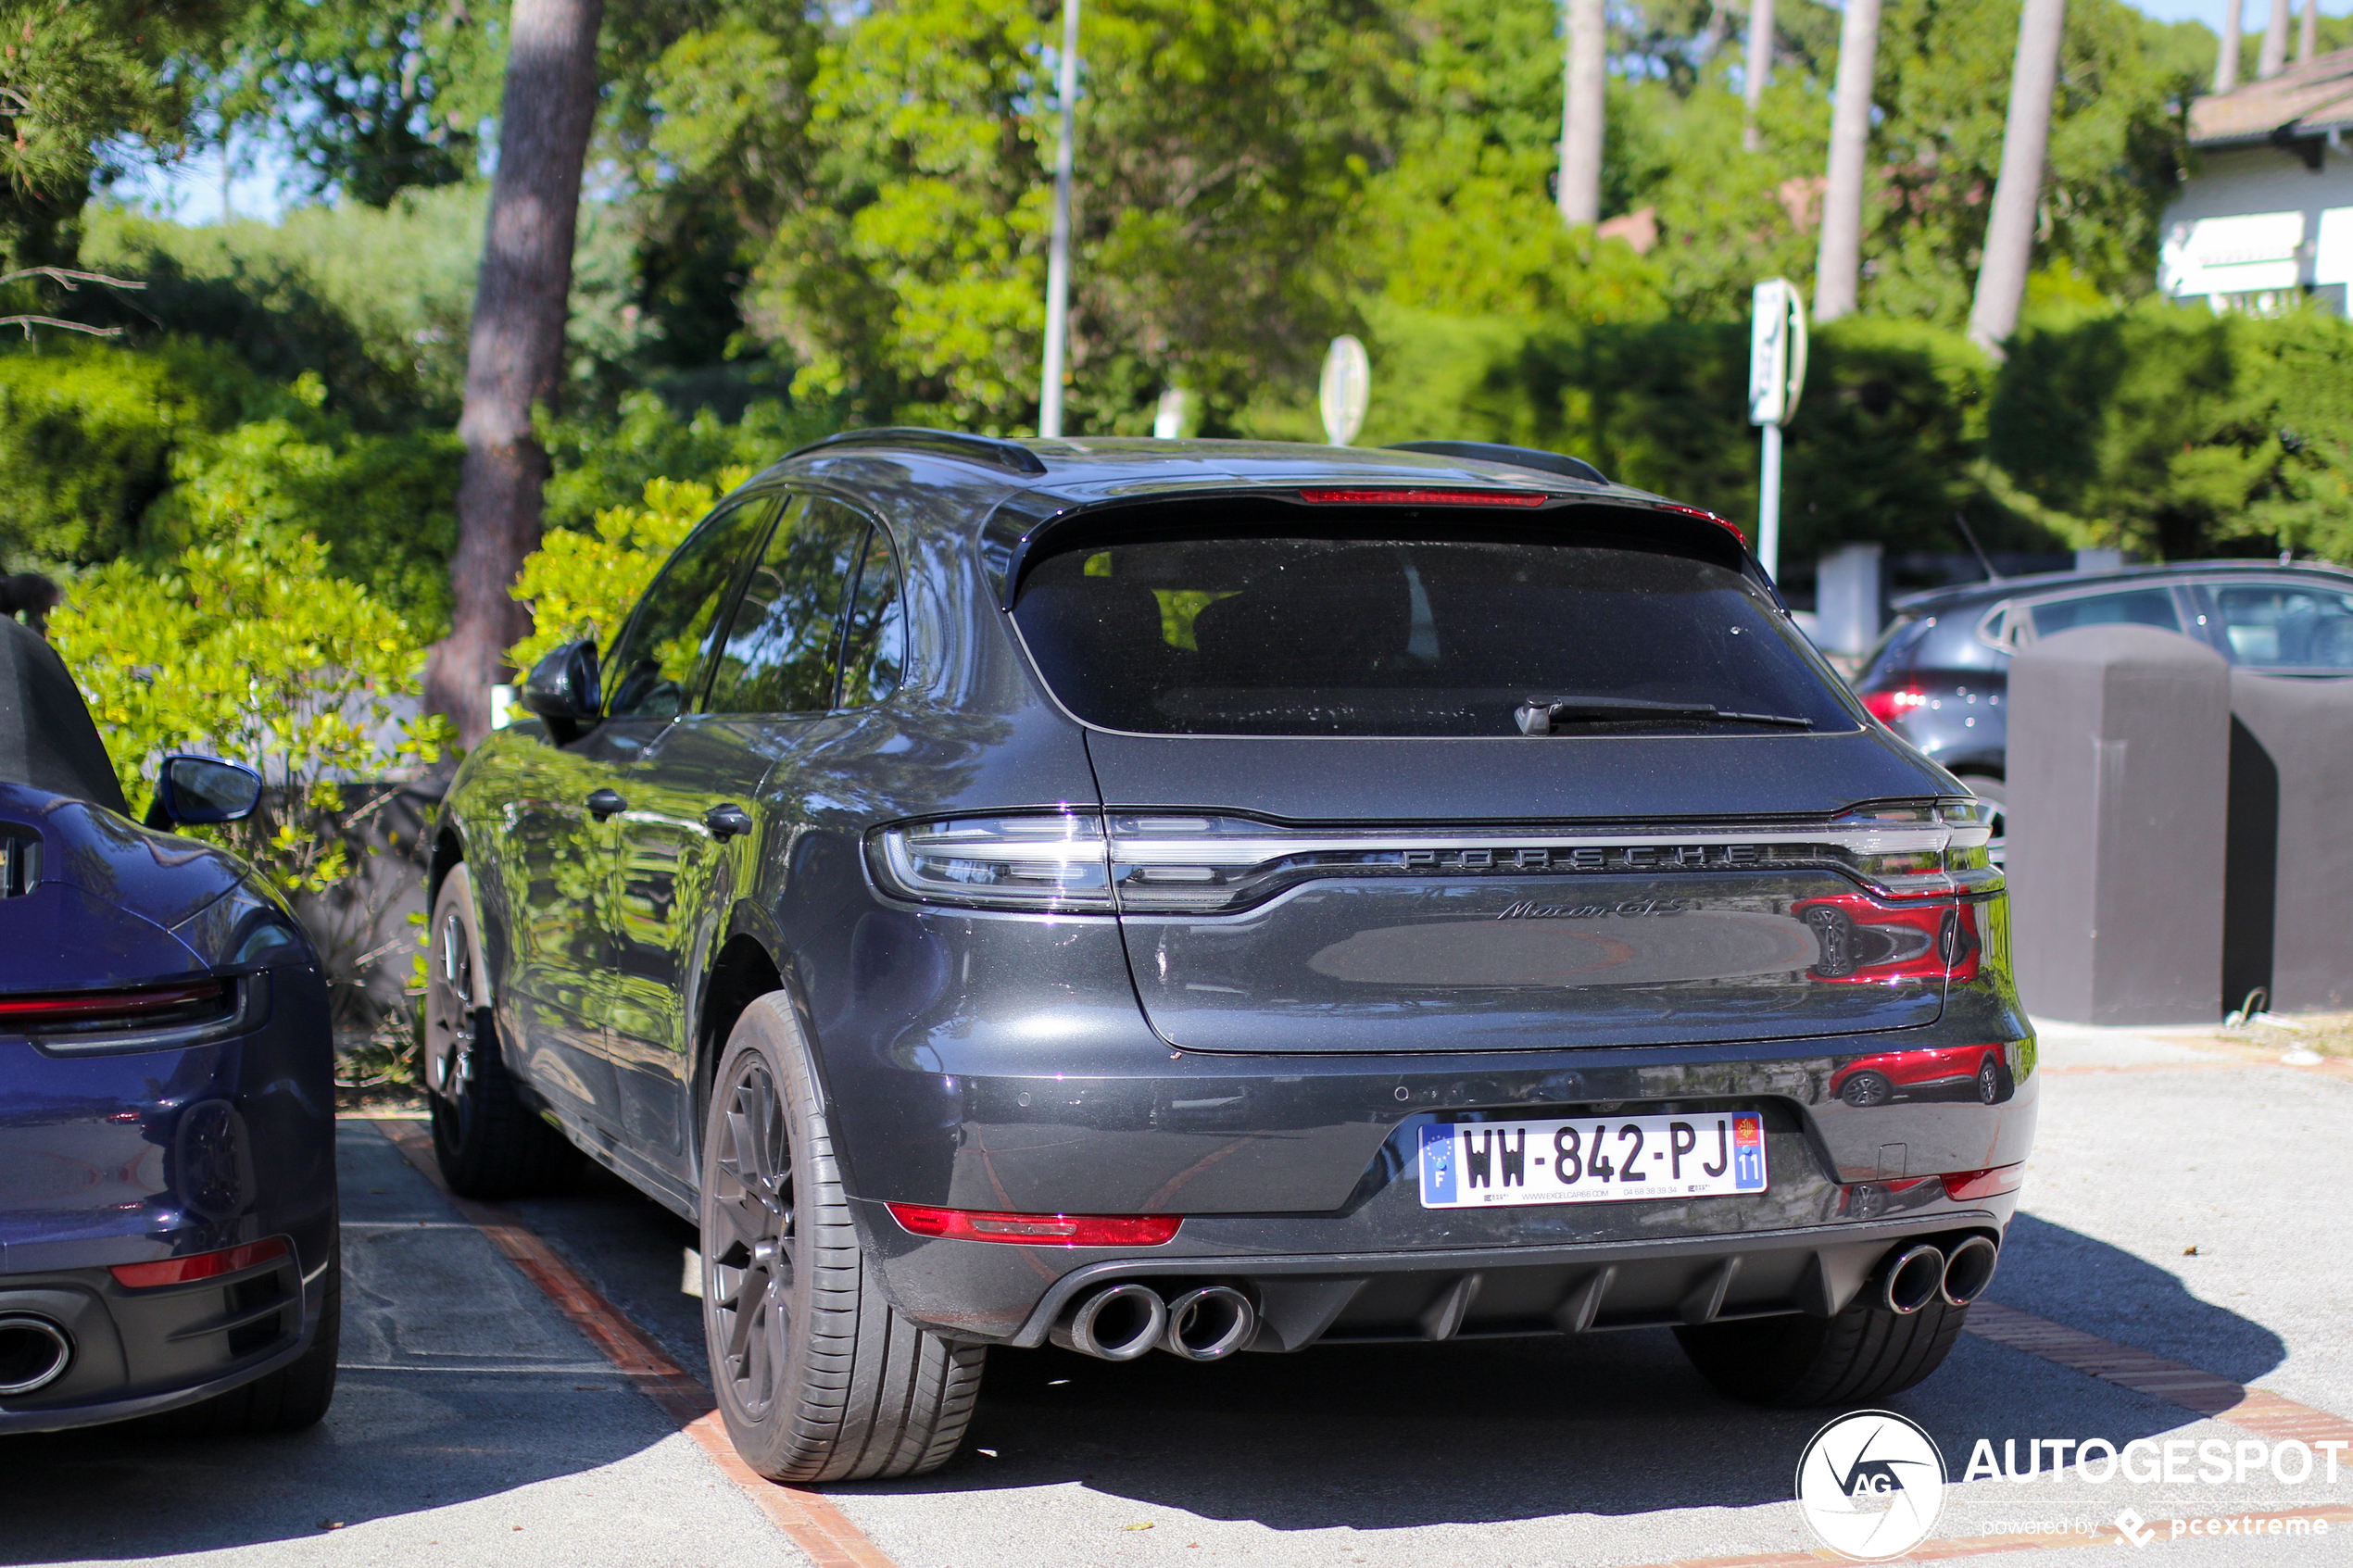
x: 1910, y: 1279
x: 1118, y: 1322
x: 1210, y: 1324
x: 1969, y: 1269
x: 35, y: 1352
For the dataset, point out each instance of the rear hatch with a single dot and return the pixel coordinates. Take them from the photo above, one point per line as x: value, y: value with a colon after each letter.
x: 1437, y: 774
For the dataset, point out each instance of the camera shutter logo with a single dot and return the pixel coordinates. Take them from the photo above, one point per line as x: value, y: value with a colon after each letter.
x: 1871, y: 1485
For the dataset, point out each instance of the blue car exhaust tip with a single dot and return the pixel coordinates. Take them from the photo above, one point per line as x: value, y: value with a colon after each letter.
x: 34, y: 1353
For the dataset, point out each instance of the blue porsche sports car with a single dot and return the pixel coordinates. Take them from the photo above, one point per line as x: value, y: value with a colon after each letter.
x: 168, y: 1235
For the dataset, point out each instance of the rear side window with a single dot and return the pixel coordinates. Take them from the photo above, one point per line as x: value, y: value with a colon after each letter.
x: 780, y: 652
x: 2276, y: 626
x: 2134, y: 606
x: 1406, y: 636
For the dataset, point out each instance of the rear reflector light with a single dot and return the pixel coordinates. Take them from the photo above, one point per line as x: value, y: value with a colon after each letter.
x: 1424, y: 497
x: 1726, y: 524
x: 1888, y: 706
x: 1962, y: 1186
x: 154, y: 1005
x: 202, y: 1265
x: 1039, y: 1230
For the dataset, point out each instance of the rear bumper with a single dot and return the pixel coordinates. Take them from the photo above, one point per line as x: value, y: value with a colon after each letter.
x: 141, y: 1352
x: 1439, y: 1293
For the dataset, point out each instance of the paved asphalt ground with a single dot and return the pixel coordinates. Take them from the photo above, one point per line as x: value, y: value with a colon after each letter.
x: 476, y: 1426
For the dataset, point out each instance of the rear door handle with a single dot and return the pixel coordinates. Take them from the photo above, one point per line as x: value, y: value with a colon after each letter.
x: 727, y: 820
x: 603, y: 803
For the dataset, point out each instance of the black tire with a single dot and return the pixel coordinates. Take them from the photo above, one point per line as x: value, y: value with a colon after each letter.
x: 1989, y: 1082
x: 292, y: 1398
x: 488, y: 1142
x: 818, y: 1378
x: 1867, y: 1088
x: 1865, y: 1353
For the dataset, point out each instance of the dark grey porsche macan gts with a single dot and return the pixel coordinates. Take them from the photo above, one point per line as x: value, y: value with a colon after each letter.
x: 1224, y: 896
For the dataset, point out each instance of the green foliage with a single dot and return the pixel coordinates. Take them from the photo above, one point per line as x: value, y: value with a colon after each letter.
x: 252, y: 650
x: 1885, y: 445
x: 2179, y: 432
x: 78, y: 78
x: 375, y: 302
x: 109, y: 453
x: 371, y: 99
x: 581, y: 585
x: 602, y: 462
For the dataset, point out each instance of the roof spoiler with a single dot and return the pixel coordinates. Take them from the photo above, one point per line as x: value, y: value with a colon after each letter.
x: 1510, y: 457
x: 992, y: 450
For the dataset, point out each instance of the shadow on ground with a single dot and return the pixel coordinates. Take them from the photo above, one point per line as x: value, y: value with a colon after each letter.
x: 460, y: 1384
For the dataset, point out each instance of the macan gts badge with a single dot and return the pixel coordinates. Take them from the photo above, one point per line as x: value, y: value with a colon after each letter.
x: 1230, y: 898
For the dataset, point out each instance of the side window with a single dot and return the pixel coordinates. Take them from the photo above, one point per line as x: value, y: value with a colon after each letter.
x: 873, y: 642
x: 2282, y: 627
x: 653, y: 668
x: 779, y: 655
x: 2134, y: 607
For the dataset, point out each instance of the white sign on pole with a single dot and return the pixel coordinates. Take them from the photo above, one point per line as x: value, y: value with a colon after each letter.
x: 1776, y: 352
x: 1776, y: 375
x: 1346, y: 390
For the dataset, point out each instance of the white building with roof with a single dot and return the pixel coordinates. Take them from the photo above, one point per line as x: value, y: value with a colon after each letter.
x: 2266, y: 217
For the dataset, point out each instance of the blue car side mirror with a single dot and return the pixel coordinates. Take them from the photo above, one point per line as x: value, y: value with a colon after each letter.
x: 203, y: 789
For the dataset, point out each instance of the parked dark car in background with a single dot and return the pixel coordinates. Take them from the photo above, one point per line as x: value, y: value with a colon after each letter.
x: 168, y: 1230
x: 1219, y: 896
x: 1940, y: 675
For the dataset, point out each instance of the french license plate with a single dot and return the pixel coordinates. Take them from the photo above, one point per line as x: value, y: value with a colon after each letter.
x: 1591, y: 1160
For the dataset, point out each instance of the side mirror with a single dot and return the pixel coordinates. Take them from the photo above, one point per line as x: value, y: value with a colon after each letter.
x: 564, y: 688
x: 203, y: 789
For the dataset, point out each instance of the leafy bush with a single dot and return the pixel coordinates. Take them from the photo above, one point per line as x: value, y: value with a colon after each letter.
x: 581, y: 584
x: 253, y: 651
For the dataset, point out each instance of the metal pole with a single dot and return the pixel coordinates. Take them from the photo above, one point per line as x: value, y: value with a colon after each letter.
x: 1049, y: 389
x: 1768, y: 503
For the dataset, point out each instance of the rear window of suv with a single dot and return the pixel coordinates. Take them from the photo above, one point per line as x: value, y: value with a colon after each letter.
x: 1410, y: 635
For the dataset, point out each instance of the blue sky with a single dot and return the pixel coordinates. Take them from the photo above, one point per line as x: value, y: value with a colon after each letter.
x: 2212, y: 12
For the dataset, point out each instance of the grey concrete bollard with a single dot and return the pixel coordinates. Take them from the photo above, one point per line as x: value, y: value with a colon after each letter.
x: 2288, y: 921
x: 2118, y: 779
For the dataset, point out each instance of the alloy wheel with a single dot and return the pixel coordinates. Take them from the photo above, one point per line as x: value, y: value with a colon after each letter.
x: 748, y: 1284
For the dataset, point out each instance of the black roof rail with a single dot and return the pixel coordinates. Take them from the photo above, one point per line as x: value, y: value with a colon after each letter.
x: 1515, y: 457
x: 992, y: 450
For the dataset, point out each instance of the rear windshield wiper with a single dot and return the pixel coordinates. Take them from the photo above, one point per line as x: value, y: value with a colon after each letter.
x: 1538, y: 715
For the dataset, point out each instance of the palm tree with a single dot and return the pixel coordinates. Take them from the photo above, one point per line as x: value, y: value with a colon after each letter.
x: 2010, y: 229
x: 2226, y: 67
x: 1840, y: 264
x: 1581, y: 187
x: 2274, y: 57
x: 1760, y: 67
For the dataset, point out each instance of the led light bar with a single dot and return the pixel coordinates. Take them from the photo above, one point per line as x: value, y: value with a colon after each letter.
x: 1165, y: 862
x: 1038, y: 1230
x: 150, y: 1005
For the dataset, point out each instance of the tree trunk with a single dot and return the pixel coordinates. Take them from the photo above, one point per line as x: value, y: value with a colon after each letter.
x: 2226, y: 65
x: 1759, y: 67
x: 514, y: 355
x: 1581, y: 188
x: 2018, y: 192
x: 2274, y: 57
x: 2308, y: 35
x: 1838, y: 270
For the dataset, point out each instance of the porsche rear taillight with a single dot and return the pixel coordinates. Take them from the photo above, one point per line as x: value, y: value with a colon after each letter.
x: 84, y: 1012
